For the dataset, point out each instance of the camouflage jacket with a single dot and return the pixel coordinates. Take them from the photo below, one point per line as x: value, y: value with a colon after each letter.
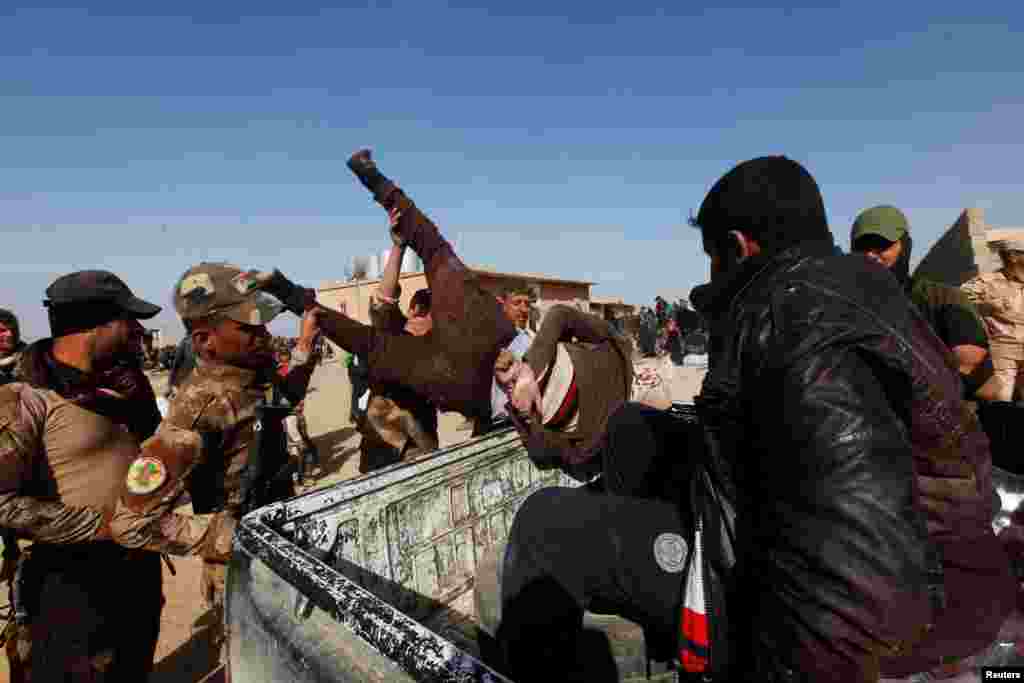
x: 67, y: 439
x: 1000, y: 300
x: 213, y: 415
x: 8, y: 367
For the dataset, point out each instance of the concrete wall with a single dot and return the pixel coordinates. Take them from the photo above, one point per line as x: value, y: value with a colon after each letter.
x: 963, y: 251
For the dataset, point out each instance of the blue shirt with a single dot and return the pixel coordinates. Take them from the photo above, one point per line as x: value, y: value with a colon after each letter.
x: 518, y: 348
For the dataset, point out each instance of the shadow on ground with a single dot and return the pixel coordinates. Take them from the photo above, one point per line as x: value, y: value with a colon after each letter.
x: 335, y: 450
x: 195, y: 660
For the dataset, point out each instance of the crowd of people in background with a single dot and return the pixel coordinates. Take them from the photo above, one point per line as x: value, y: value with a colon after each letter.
x: 672, y: 328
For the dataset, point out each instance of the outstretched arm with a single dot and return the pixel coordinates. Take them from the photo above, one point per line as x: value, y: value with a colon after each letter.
x: 561, y: 324
x: 389, y: 282
x: 384, y: 311
x: 296, y: 382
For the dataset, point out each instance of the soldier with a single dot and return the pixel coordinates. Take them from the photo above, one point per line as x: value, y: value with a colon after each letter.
x: 219, y: 441
x: 70, y: 428
x: 882, y: 234
x: 999, y: 297
x: 10, y: 345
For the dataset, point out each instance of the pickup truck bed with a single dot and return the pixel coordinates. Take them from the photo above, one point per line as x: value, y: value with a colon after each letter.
x: 371, y: 580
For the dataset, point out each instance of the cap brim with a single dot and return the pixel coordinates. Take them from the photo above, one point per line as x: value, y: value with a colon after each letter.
x: 257, y: 309
x: 143, y: 310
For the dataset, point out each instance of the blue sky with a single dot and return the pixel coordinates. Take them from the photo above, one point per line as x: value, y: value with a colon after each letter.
x: 564, y: 138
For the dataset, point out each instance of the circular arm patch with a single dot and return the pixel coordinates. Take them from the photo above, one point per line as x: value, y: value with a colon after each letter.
x: 670, y: 552
x: 145, y: 475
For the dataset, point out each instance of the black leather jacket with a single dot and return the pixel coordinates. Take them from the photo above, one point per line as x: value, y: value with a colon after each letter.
x: 806, y: 403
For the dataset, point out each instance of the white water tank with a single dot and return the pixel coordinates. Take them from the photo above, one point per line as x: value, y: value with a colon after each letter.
x: 411, y: 262
x: 372, y: 267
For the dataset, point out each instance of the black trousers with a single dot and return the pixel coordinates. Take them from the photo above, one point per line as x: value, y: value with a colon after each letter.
x: 605, y: 551
x: 95, y: 612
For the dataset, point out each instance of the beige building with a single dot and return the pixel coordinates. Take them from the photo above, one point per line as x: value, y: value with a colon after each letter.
x: 611, y: 309
x: 353, y: 298
x: 963, y: 252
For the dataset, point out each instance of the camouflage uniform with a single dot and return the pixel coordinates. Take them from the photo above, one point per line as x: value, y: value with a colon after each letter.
x: 999, y: 297
x: 85, y: 609
x: 203, y: 445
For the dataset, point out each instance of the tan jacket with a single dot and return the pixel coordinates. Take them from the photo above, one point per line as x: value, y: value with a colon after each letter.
x: 61, y: 466
x: 1000, y: 301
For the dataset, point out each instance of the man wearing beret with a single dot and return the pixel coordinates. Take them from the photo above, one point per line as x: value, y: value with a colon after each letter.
x: 882, y: 233
x: 215, y: 430
x: 70, y: 427
x: 999, y: 297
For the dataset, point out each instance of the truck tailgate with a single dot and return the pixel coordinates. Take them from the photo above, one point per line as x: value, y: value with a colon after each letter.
x: 337, y: 584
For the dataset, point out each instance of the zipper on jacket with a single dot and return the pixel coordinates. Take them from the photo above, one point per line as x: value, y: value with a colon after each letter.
x: 705, y: 591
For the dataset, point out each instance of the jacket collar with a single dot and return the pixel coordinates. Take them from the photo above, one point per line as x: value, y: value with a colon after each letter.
x: 241, y: 376
x: 717, y: 296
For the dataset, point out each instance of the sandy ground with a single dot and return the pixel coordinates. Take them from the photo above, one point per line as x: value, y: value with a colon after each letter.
x: 183, y: 654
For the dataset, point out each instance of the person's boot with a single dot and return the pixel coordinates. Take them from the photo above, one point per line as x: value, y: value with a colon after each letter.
x: 413, y: 228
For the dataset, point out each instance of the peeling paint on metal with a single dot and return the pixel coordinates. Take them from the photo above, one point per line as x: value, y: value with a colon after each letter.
x: 409, y: 537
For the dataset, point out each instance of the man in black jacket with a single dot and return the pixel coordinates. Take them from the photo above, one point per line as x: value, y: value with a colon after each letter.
x: 805, y: 411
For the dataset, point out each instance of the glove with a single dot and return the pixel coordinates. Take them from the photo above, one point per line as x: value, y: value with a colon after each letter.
x: 294, y: 297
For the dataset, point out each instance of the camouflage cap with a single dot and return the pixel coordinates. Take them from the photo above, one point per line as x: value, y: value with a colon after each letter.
x: 887, y: 222
x: 224, y: 289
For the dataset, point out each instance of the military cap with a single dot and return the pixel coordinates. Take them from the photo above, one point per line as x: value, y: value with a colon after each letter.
x: 224, y: 289
x: 887, y: 222
x: 98, y: 287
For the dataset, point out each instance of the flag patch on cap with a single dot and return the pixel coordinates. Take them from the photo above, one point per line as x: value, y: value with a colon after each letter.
x: 245, y: 282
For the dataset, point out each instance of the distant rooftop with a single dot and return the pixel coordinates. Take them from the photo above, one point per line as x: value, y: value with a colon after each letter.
x: 605, y: 301
x: 483, y: 270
